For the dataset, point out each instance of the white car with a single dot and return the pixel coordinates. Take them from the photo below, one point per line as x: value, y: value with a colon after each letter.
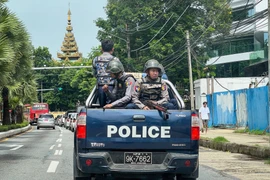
x: 46, y: 121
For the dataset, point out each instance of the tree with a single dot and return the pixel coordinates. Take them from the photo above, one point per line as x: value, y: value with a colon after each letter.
x: 16, y: 57
x: 156, y: 29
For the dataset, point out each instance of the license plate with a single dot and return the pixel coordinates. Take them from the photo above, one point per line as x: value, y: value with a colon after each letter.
x: 138, y: 158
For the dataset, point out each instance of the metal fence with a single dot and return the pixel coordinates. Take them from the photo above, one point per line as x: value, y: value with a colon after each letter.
x: 240, y: 108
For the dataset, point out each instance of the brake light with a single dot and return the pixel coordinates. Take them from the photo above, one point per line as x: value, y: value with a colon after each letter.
x: 81, y: 126
x: 195, y: 127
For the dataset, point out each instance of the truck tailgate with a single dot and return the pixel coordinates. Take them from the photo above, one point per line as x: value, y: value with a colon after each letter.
x: 137, y: 129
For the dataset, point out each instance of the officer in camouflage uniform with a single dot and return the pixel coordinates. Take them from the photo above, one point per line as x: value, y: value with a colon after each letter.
x: 120, y: 96
x: 151, y: 87
x: 100, y: 64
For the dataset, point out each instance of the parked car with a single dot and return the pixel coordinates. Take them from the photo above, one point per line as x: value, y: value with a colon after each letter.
x: 45, y: 121
x: 73, y: 121
x: 57, y: 119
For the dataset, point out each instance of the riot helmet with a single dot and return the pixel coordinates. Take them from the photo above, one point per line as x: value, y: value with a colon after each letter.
x: 152, y: 63
x: 115, y: 67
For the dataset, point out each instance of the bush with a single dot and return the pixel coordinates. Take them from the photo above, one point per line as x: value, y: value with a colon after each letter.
x: 220, y: 139
x: 13, y: 126
x: 3, y: 128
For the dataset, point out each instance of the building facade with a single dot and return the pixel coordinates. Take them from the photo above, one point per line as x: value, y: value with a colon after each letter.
x: 244, y: 52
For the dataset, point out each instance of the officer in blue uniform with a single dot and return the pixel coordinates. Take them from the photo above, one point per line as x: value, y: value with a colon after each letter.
x: 152, y: 87
x: 120, y: 96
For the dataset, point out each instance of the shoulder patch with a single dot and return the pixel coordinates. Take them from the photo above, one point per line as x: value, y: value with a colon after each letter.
x: 137, y: 88
x: 163, y: 87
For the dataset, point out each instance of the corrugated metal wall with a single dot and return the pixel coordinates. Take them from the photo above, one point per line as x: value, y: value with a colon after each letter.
x: 257, y: 108
x: 240, y: 108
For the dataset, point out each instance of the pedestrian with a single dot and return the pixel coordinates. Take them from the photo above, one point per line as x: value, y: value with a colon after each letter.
x: 100, y: 64
x: 151, y: 88
x: 204, y: 114
x: 120, y: 96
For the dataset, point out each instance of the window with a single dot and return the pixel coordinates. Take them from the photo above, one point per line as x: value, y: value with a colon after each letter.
x: 46, y: 116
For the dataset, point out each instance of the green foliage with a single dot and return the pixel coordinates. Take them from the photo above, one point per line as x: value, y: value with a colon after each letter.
x: 13, y: 126
x: 254, y: 131
x: 15, y: 62
x: 154, y: 29
x: 267, y: 161
x: 220, y: 139
x: 241, y: 130
x: 70, y: 85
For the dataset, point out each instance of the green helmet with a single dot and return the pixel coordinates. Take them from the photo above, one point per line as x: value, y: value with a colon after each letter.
x: 115, y: 66
x: 152, y: 63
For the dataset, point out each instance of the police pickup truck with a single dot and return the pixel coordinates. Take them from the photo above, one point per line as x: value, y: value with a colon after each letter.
x: 135, y: 143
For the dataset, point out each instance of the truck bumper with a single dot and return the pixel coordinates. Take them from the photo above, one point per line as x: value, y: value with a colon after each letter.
x: 102, y: 163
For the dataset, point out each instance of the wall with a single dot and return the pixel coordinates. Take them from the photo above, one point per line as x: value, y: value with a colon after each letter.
x: 240, y: 108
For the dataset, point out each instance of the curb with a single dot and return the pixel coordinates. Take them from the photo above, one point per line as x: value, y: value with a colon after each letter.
x: 256, y: 151
x: 13, y: 132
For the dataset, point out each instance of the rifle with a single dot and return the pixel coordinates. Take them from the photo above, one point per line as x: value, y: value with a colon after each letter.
x: 152, y: 105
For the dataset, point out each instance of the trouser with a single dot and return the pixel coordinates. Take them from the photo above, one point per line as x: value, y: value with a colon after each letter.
x: 172, y: 104
x: 103, y: 100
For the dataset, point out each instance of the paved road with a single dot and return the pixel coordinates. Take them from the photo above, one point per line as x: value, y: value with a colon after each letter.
x: 46, y: 154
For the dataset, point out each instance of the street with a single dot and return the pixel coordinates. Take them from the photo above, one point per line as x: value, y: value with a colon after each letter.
x: 47, y: 154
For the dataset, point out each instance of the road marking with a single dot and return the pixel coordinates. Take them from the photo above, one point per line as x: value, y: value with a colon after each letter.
x: 53, y: 166
x: 52, y: 147
x: 18, y: 146
x: 59, y: 145
x: 58, y: 152
x: 59, y: 140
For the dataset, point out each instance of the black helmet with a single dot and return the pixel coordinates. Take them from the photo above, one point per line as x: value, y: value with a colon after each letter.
x: 152, y: 63
x: 115, y: 67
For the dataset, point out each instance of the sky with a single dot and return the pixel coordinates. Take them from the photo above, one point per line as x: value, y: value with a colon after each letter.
x: 46, y: 21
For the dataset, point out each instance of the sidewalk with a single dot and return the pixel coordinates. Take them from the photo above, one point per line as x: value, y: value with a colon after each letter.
x: 255, y: 145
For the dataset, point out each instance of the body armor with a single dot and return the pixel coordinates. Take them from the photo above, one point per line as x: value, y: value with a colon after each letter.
x: 122, y: 86
x: 150, y: 90
x: 102, y: 76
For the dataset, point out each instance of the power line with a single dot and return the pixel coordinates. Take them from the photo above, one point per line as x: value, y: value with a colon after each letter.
x: 221, y: 84
x: 240, y: 20
x: 154, y: 35
x: 175, y: 60
x: 168, y: 30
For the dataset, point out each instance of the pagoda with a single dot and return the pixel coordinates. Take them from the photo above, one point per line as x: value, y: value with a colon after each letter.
x: 69, y: 47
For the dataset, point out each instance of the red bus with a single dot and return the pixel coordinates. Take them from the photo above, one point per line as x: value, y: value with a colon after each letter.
x: 32, y: 112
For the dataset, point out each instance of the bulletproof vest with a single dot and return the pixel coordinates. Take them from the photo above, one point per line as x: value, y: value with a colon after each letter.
x: 121, y: 86
x: 147, y: 92
x: 102, y: 76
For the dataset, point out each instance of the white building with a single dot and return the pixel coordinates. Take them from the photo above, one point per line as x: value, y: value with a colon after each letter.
x: 224, y: 84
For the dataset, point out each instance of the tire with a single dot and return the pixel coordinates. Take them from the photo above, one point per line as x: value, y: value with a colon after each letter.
x: 37, y: 127
x: 77, y: 174
x: 53, y: 127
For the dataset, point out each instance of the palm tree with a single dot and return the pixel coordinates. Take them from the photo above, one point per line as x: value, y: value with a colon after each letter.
x: 15, y: 53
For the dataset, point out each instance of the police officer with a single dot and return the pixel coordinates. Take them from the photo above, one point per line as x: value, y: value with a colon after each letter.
x: 100, y: 64
x: 151, y: 87
x: 121, y: 93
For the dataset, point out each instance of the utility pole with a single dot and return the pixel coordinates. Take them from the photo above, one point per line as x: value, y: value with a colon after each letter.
x: 128, y: 42
x: 41, y: 92
x: 268, y: 64
x: 190, y: 73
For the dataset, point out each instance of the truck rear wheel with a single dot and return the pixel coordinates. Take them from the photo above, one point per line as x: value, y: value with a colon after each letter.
x: 77, y: 174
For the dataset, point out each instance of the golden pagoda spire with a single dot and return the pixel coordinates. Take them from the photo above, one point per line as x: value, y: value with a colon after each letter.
x: 69, y: 46
x: 69, y: 13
